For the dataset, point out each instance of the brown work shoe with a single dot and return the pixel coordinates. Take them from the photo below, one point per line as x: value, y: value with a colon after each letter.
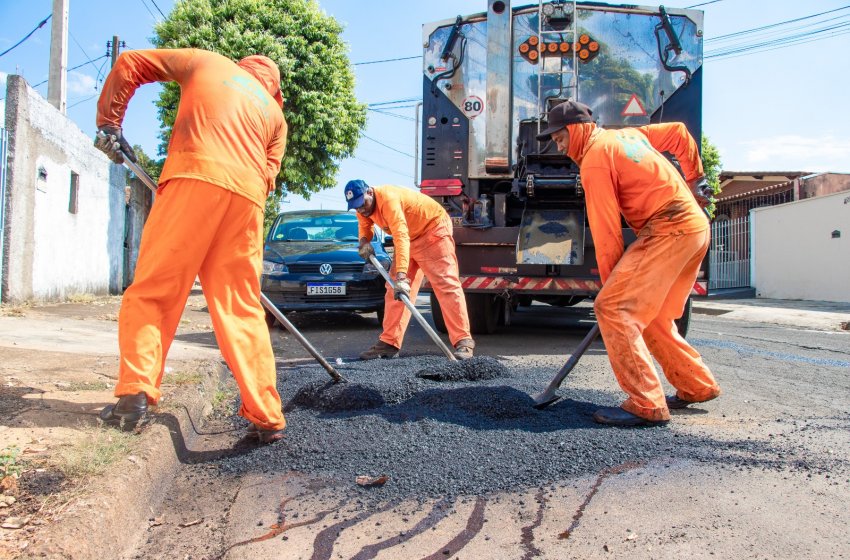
x: 616, y: 416
x: 380, y: 350
x: 265, y: 436
x: 463, y: 349
x: 675, y: 403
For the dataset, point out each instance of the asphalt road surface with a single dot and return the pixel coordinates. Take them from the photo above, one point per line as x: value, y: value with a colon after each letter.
x: 473, y: 472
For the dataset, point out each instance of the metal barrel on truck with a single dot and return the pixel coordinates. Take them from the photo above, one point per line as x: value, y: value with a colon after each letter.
x: 517, y: 205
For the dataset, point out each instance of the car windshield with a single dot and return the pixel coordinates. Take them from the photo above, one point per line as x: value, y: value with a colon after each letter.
x: 322, y: 227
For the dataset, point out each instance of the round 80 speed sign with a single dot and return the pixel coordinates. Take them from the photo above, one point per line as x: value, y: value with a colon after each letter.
x: 472, y: 106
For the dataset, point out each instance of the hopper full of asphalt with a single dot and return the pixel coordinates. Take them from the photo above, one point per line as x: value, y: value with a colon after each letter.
x: 462, y: 436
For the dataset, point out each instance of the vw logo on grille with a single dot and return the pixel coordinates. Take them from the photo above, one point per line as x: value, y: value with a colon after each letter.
x: 326, y: 269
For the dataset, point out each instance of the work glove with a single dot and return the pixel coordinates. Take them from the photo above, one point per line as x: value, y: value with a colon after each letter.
x: 366, y: 250
x: 702, y: 192
x: 110, y: 140
x: 402, y: 286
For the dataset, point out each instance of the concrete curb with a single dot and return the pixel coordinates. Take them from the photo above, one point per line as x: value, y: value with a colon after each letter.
x: 111, y: 517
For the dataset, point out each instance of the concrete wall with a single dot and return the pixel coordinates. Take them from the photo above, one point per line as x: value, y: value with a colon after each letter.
x: 52, y: 253
x: 795, y: 254
x: 822, y: 184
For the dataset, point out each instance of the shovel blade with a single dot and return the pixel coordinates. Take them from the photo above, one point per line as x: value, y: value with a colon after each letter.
x: 544, y: 399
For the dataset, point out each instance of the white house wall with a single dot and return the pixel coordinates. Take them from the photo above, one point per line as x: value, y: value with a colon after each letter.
x: 51, y: 252
x: 795, y: 254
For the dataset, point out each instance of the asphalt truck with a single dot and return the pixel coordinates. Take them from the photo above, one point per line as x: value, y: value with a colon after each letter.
x: 517, y: 205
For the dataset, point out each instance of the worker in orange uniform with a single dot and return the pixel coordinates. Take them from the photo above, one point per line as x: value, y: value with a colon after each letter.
x: 646, y: 286
x: 424, y: 246
x: 225, y: 151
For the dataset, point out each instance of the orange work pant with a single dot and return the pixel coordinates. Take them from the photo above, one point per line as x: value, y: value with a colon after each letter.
x: 636, y: 309
x: 199, y: 229
x: 431, y: 255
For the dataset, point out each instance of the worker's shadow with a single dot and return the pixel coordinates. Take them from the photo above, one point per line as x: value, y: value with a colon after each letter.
x: 223, y: 447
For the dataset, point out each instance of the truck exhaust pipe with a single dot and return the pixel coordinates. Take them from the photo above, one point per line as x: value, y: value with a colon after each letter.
x: 499, y: 41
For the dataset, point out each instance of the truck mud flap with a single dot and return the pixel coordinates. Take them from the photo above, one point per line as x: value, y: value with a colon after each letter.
x: 551, y: 237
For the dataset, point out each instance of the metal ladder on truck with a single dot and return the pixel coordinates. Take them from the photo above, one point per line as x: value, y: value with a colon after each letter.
x: 557, y: 26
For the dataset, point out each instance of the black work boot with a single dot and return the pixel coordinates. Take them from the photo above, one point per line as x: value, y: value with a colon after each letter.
x: 127, y: 413
x: 380, y: 350
x: 616, y: 416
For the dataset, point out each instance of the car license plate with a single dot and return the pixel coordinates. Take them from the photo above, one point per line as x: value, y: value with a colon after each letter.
x: 326, y: 289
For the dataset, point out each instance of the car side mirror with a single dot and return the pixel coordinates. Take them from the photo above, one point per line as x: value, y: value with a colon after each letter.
x: 388, y: 241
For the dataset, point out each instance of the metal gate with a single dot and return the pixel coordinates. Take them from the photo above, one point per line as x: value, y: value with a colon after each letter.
x: 729, y: 255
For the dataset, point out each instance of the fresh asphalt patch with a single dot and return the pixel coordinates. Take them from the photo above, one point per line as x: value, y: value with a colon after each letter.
x: 462, y: 436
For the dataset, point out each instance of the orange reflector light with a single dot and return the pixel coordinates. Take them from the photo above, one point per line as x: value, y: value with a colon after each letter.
x: 593, y: 46
x: 552, y: 47
x: 523, y: 48
x: 583, y: 54
x: 533, y: 40
x: 565, y: 47
x: 532, y: 55
x: 584, y: 39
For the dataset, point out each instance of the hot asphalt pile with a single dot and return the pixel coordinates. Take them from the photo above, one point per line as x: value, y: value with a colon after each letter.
x: 470, y: 437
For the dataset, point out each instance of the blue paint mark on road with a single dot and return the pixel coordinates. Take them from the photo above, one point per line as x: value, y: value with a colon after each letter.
x: 749, y: 350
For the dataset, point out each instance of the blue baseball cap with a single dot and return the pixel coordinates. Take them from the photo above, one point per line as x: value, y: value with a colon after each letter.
x: 354, y: 192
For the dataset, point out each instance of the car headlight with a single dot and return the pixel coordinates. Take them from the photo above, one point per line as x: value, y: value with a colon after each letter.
x: 369, y: 268
x: 271, y: 267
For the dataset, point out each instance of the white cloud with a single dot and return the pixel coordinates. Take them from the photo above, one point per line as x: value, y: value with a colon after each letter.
x: 792, y: 153
x: 80, y: 84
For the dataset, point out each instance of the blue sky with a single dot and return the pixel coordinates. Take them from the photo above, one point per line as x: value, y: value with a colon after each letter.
x: 778, y: 110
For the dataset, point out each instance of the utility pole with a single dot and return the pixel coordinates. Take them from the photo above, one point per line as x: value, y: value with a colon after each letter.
x: 57, y: 74
x: 114, y: 47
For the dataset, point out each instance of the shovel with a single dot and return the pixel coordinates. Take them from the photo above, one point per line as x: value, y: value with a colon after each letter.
x: 413, y: 311
x: 272, y: 308
x: 547, y: 397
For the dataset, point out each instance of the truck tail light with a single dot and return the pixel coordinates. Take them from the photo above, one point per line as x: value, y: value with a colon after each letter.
x: 441, y: 187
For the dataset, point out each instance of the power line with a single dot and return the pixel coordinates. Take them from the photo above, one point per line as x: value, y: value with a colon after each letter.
x: 786, y: 41
x: 81, y: 48
x: 386, y: 60
x: 148, y: 9
x: 753, y: 30
x: 402, y: 117
x: 386, y: 146
x: 157, y: 8
x: 83, y: 100
x: 37, y: 27
x: 384, y: 168
x: 393, y: 102
x: 703, y: 4
x: 76, y: 67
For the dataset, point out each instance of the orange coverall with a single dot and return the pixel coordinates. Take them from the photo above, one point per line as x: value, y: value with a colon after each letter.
x: 424, y: 246
x: 645, y: 287
x: 225, y: 151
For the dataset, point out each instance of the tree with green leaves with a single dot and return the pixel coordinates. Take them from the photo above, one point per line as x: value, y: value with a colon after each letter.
x: 712, y: 166
x: 317, y: 81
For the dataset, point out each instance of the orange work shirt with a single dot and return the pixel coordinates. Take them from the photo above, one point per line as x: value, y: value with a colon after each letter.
x: 624, y: 173
x: 403, y: 213
x: 229, y: 130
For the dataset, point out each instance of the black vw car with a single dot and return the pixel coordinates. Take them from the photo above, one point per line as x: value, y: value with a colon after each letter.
x: 310, y: 263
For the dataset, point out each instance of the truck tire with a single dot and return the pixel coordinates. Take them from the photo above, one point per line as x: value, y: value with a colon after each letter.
x: 683, y: 322
x: 437, y: 315
x: 483, y: 313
